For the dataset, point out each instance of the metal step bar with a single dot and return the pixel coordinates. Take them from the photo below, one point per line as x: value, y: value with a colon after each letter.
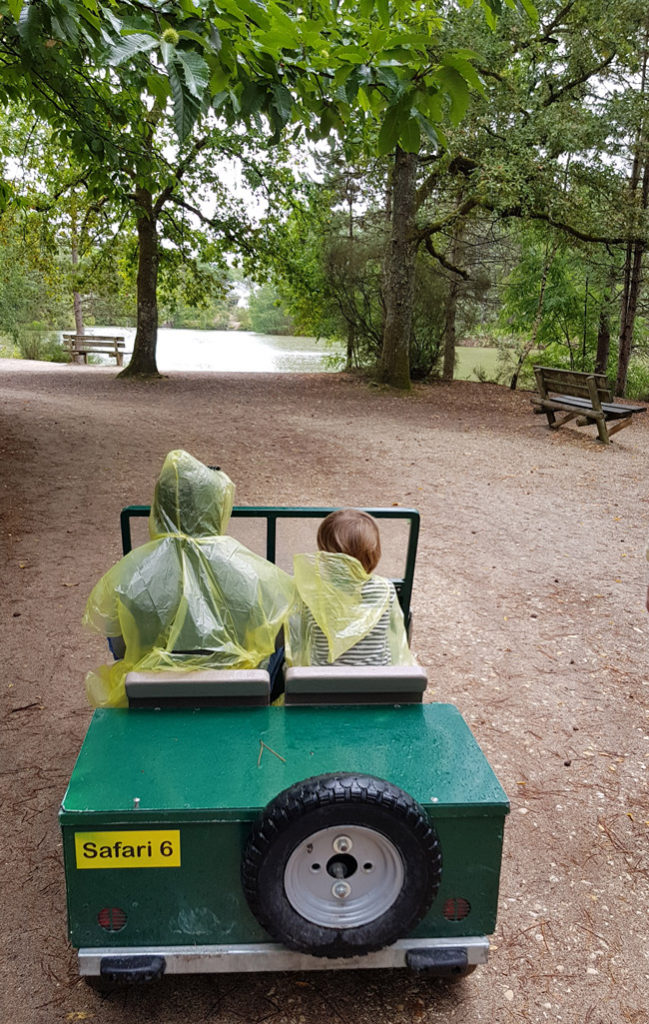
x: 269, y: 956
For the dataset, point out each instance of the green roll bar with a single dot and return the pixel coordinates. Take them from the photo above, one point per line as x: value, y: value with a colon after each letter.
x: 271, y: 513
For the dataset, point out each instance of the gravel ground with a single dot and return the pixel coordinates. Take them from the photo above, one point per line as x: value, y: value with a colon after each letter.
x: 529, y: 614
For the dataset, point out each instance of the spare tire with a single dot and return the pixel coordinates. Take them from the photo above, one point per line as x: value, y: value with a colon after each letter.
x: 341, y: 865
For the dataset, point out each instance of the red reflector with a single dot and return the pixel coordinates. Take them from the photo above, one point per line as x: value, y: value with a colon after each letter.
x: 456, y: 909
x: 112, y: 919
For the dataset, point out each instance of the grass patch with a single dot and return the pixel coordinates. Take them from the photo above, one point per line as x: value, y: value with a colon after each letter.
x: 476, y: 363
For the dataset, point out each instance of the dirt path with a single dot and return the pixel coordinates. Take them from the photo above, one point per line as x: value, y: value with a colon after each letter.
x: 529, y: 613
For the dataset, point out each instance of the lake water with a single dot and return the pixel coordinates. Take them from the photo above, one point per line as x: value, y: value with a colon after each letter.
x: 230, y: 351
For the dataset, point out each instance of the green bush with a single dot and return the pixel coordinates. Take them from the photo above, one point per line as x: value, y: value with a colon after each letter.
x: 637, y: 384
x: 34, y: 343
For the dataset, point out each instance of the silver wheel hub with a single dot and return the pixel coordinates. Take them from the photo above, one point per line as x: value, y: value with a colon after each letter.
x: 344, y: 876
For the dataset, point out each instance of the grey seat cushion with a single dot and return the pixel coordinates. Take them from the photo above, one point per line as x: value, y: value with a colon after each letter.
x: 335, y: 684
x: 198, y: 689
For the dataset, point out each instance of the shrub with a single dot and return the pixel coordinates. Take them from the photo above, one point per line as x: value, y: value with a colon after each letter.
x: 34, y: 343
x: 637, y: 383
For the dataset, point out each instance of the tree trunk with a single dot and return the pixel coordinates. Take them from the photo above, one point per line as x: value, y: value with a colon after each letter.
x: 635, y: 250
x: 143, y: 360
x: 449, y: 337
x: 399, y: 275
x: 448, y: 367
x: 351, y: 346
x: 603, y: 341
x: 76, y: 298
x: 632, y: 282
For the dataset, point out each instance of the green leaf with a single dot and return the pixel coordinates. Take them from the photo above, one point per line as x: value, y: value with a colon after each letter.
x: 253, y: 98
x: 431, y: 106
x: 364, y: 101
x: 390, y: 129
x: 354, y: 54
x: 159, y: 87
x: 168, y: 51
x: 91, y: 18
x: 383, y: 8
x: 430, y: 133
x: 195, y: 70
x: 282, y: 102
x: 219, y: 79
x: 272, y: 41
x: 419, y: 40
x: 457, y: 91
x: 186, y: 108
x: 468, y: 72
x: 129, y: 46
x: 530, y: 10
x: 248, y: 8
x: 490, y: 17
x: 281, y: 23
x: 377, y: 39
x: 410, y: 137
x: 342, y: 74
x: 29, y: 21
x: 201, y: 40
x: 388, y: 77
x: 15, y: 6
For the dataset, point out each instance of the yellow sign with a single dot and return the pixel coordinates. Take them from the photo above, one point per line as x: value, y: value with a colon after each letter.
x: 152, y: 849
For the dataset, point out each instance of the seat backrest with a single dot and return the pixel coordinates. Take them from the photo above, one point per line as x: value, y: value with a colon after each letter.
x: 198, y: 689
x: 342, y: 684
x: 572, y: 382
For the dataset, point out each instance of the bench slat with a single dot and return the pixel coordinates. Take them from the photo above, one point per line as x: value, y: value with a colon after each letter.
x: 97, y: 339
x: 572, y: 383
x: 613, y: 410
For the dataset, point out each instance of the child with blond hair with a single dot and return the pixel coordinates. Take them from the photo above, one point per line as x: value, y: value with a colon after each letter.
x: 345, y: 615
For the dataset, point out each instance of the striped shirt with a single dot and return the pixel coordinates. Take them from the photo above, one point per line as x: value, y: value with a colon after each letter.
x: 373, y: 649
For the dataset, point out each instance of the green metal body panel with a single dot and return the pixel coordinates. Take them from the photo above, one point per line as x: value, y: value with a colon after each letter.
x: 208, y: 773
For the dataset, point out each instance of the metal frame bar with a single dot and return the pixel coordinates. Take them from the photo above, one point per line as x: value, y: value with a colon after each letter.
x: 271, y: 513
x: 271, y: 956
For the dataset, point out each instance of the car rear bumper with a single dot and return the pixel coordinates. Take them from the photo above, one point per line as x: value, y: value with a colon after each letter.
x: 142, y: 963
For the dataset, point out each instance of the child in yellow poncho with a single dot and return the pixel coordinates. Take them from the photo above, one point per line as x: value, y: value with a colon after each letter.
x: 191, y: 598
x: 346, y: 615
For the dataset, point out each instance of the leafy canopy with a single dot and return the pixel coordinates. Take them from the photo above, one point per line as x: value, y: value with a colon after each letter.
x: 311, y: 66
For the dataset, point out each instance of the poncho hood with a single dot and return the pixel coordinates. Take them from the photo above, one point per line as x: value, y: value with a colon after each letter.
x: 334, y: 588
x: 190, y: 499
x: 191, y: 598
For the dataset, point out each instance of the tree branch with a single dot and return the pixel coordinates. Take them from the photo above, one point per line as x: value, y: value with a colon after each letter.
x: 464, y: 274
x: 554, y: 96
x: 546, y: 35
x: 583, y: 236
x: 425, y: 233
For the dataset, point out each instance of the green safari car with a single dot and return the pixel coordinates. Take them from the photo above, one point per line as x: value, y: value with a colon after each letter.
x: 205, y: 830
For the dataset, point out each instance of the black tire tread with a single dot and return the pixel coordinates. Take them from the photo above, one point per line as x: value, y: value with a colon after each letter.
x: 321, y: 791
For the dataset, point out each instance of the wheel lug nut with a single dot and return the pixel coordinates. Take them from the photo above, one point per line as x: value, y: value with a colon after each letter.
x: 341, y: 890
x: 342, y: 844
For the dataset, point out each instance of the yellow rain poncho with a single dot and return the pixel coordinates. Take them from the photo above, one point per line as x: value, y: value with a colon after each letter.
x: 345, y: 616
x: 190, y: 598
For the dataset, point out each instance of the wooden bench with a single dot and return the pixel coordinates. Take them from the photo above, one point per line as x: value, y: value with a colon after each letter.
x: 585, y: 397
x: 80, y: 346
